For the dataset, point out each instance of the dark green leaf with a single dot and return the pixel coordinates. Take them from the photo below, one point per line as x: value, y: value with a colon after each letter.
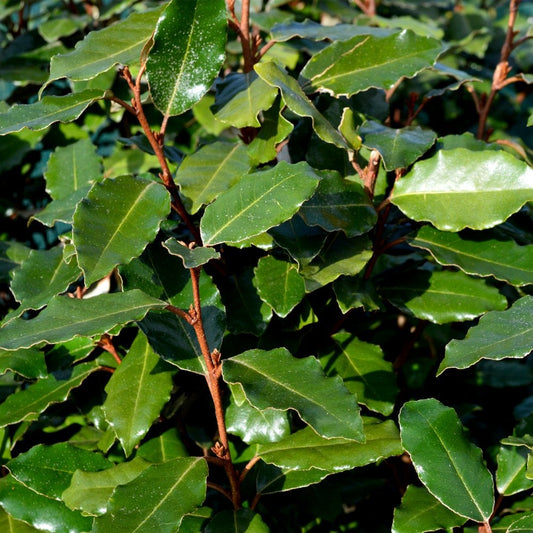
x: 241, y: 521
x: 511, y: 473
x: 191, y: 257
x: 8, y: 523
x: 163, y: 448
x: 28, y: 363
x: 272, y: 479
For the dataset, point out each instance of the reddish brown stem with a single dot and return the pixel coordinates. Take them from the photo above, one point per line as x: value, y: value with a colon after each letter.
x: 106, y: 343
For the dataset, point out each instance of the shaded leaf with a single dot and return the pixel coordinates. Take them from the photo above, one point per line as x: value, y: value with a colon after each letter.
x: 241, y: 521
x: 272, y: 479
x: 461, y: 188
x: 274, y: 379
x: 29, y: 363
x: 498, y: 335
x: 163, y: 448
x: 522, y: 525
x: 191, y: 257
x: 187, y: 53
x: 511, y: 472
x: 448, y: 464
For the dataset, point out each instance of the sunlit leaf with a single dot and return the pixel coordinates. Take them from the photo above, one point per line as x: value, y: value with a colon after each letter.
x: 511, y: 473
x: 28, y: 363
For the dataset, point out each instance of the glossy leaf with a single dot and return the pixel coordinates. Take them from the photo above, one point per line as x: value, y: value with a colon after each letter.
x: 460, y: 188
x: 511, y: 473
x: 163, y: 448
x: 241, y: 97
x: 90, y: 491
x: 272, y: 479
x: 306, y: 450
x: 279, y: 284
x: 505, y: 260
x: 50, y: 109
x: 442, y: 296
x: 448, y: 464
x: 211, y: 170
x: 241, y: 521
x: 66, y: 318
x: 498, y: 335
x: 296, y: 100
x: 191, y: 257
x: 521, y: 525
x: 8, y: 523
x: 365, y: 61
x: 136, y: 393
x: 364, y: 371
x: 398, y: 148
x: 157, y: 499
x: 29, y: 363
x: 120, y: 43
x: 420, y: 511
x: 49, y: 469
x: 33, y: 400
x: 116, y: 221
x: 187, y: 53
x: 339, y: 204
x: 274, y: 379
x: 258, y: 202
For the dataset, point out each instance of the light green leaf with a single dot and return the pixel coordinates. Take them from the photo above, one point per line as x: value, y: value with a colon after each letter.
x: 241, y: 521
x: 274, y: 379
x: 90, y: 491
x: 461, y: 188
x: 116, y: 221
x: 296, y: 100
x: 258, y: 202
x: 498, y: 335
x: 279, y: 284
x: 511, y: 473
x: 421, y: 511
x: 442, y: 296
x: 505, y: 260
x: 211, y: 170
x: 28, y: 363
x: 8, y: 523
x: 120, y: 43
x: 191, y: 257
x: 187, y: 54
x: 398, y: 148
x: 157, y: 499
x: 50, y: 109
x: 163, y: 448
x: 66, y: 318
x: 365, y: 61
x: 448, y: 464
x: 33, y: 400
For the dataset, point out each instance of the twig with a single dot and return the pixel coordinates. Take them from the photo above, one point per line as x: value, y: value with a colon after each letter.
x: 251, y: 463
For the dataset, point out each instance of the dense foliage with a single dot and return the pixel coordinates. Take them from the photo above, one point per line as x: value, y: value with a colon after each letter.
x: 266, y: 265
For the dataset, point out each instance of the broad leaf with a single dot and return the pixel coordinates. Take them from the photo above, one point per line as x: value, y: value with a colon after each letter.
x: 29, y: 363
x: 272, y: 479
x: 66, y: 318
x: 420, y: 511
x: 448, y: 464
x: 101, y: 50
x: 498, y: 335
x: 258, y: 202
x: 163, y: 448
x: 241, y: 521
x: 191, y: 257
x: 521, y: 525
x: 511, y: 473
x: 296, y: 100
x: 277, y: 380
x: 461, y: 188
x: 136, y: 393
x: 442, y: 296
x: 365, y: 61
x: 505, y: 260
x: 50, y: 109
x: 187, y: 53
x: 157, y: 499
x: 8, y: 523
x: 211, y: 170
x: 116, y: 221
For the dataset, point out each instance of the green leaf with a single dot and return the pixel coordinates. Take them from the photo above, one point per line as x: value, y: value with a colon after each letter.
x: 28, y: 363
x: 136, y: 393
x: 306, y: 450
x: 49, y: 469
x: 8, y: 523
x: 90, y: 491
x: 279, y: 284
x: 50, y: 109
x: 398, y: 148
x: 211, y: 170
x: 296, y: 100
x: 187, y: 54
x: 511, y: 473
x: 498, y: 335
x: 157, y: 499
x: 339, y: 204
x: 241, y: 521
x: 442, y: 296
x: 365, y: 61
x: 39, y: 511
x: 448, y: 464
x: 163, y: 448
x: 120, y: 43
x: 33, y: 400
x: 420, y: 511
x: 461, y: 188
x: 274, y: 379
x: 116, y: 221
x: 522, y: 525
x: 66, y: 318
x: 258, y: 202
x: 191, y: 257
x: 365, y: 372
x: 505, y: 260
